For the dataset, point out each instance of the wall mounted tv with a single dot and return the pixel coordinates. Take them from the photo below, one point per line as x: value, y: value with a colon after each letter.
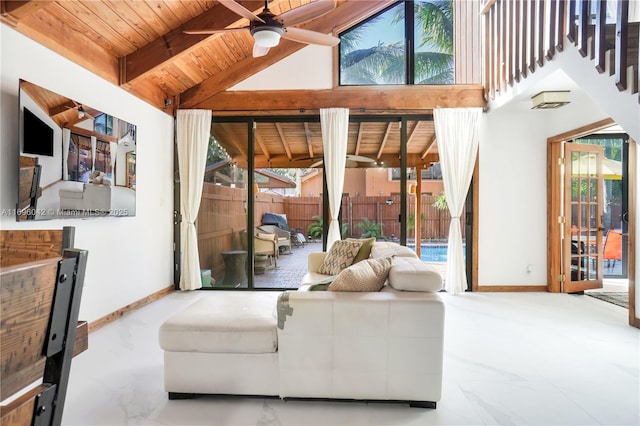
x: 38, y: 136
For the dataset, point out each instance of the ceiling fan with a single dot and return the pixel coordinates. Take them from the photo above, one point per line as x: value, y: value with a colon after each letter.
x: 352, y: 161
x: 267, y: 28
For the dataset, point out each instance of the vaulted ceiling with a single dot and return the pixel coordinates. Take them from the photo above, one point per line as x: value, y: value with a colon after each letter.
x: 142, y: 47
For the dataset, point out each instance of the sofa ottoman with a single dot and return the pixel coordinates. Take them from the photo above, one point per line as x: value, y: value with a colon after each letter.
x: 233, y: 330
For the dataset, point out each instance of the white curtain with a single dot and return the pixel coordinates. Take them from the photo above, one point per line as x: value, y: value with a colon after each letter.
x: 66, y: 135
x: 113, y: 151
x: 94, y: 143
x: 193, y: 128
x: 335, y: 129
x: 457, y: 135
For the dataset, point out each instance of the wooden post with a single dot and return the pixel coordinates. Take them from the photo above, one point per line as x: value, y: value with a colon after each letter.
x: 417, y: 220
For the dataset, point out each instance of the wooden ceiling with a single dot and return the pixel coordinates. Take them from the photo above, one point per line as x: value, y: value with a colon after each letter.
x: 141, y: 46
x: 299, y: 143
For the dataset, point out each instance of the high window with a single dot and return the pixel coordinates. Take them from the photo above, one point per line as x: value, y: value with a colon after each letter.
x: 410, y: 42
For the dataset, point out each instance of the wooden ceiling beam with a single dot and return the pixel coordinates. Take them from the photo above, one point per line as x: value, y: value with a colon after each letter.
x: 413, y: 132
x: 62, y: 108
x: 227, y: 136
x: 176, y: 42
x: 307, y: 134
x: 346, y: 12
x: 389, y: 160
x: 262, y: 146
x: 13, y: 11
x: 358, y: 139
x: 384, y: 141
x: 431, y: 143
x: 283, y: 140
x: 371, y: 99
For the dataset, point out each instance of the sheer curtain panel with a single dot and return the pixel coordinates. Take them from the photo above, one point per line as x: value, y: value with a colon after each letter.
x: 457, y: 136
x: 335, y: 129
x: 66, y: 136
x: 193, y: 128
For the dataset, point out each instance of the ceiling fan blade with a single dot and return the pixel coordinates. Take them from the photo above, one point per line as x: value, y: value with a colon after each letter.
x: 310, y: 37
x: 307, y: 12
x: 240, y: 10
x: 223, y: 30
x: 350, y: 164
x: 360, y: 158
x: 259, y: 51
x: 316, y: 164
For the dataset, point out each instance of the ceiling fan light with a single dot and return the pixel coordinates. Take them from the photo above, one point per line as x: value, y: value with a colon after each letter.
x: 267, y: 37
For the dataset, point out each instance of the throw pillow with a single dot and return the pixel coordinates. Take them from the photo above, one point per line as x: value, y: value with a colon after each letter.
x: 368, y: 275
x: 365, y: 250
x: 339, y: 257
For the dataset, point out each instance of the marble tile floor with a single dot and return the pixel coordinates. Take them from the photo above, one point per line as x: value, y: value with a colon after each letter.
x: 510, y: 359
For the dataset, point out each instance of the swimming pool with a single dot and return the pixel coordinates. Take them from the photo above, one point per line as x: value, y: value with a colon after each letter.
x: 432, y: 252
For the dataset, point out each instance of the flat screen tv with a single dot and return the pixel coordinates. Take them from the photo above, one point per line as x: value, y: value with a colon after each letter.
x: 38, y: 135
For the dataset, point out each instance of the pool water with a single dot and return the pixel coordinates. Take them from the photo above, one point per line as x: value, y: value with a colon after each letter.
x: 432, y: 252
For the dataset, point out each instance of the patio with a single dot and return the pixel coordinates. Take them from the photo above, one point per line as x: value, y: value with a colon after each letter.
x: 292, y: 267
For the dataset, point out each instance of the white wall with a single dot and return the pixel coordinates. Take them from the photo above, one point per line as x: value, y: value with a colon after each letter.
x: 129, y: 258
x: 512, y: 231
x: 309, y: 68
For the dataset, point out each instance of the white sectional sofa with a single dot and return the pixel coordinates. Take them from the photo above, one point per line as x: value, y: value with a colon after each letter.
x: 89, y: 197
x: 374, y: 346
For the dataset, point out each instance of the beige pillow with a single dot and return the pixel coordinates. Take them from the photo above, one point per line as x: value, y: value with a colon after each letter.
x: 368, y: 275
x: 266, y: 236
x: 339, y: 257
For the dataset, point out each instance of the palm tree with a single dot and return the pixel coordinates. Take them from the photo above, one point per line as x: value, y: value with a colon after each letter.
x: 435, y: 64
x: 384, y: 63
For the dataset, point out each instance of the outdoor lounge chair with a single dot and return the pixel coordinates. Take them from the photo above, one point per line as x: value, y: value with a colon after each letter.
x: 284, y: 237
x: 265, y: 249
x: 612, y: 247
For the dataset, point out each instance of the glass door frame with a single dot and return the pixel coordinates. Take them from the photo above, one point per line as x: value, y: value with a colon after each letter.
x: 582, y: 242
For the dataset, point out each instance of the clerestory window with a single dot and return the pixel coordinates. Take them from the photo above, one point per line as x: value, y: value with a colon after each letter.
x: 410, y: 42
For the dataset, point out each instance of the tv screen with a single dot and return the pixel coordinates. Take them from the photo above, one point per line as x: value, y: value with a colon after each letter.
x: 38, y: 136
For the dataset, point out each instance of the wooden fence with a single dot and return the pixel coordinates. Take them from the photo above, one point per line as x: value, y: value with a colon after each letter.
x: 222, y: 218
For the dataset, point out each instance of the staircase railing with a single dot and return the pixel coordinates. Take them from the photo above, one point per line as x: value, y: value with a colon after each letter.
x: 522, y: 35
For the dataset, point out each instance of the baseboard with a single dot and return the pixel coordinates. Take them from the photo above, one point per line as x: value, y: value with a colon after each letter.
x: 512, y: 288
x: 101, y: 322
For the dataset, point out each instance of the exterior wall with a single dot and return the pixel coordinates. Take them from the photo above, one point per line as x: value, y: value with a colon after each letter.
x: 129, y: 258
x: 467, y: 45
x: 369, y: 182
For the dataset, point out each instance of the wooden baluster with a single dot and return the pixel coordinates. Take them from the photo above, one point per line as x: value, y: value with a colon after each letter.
x: 600, y: 48
x: 510, y: 43
x: 534, y: 35
x: 518, y: 30
x: 622, y: 39
x: 583, y: 20
x: 562, y: 21
x: 552, y: 30
x: 503, y: 45
x: 571, y: 21
x: 540, y: 55
x: 523, y: 45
